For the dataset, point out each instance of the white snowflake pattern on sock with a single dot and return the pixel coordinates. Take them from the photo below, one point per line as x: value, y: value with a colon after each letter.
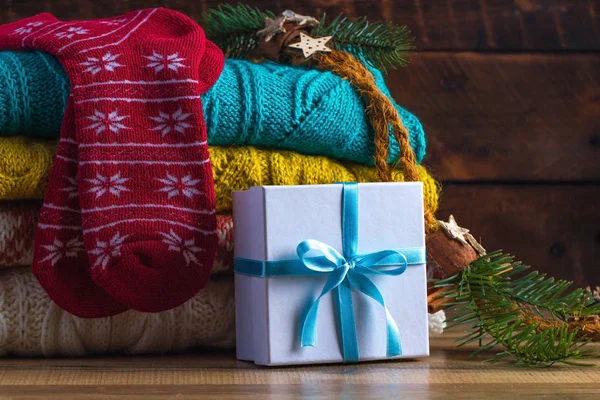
x: 69, y: 33
x: 113, y: 22
x: 186, y: 247
x: 179, y: 186
x: 106, y: 62
x: 103, y: 122
x: 159, y: 62
x: 171, y: 122
x: 106, y: 250
x: 72, y: 188
x: 23, y: 30
x: 102, y: 184
x: 59, y: 249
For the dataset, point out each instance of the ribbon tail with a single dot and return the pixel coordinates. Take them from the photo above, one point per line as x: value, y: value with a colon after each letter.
x: 308, y: 336
x: 346, y: 322
x: 367, y: 287
x: 309, y: 327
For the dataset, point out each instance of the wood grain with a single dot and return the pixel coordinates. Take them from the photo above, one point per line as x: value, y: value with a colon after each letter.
x: 553, y: 228
x: 437, y: 25
x: 447, y: 373
x: 506, y: 116
x: 488, y: 116
x: 409, y: 391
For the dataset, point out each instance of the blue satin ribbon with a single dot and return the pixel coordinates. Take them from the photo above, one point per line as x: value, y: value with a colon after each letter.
x: 346, y: 272
x: 295, y: 267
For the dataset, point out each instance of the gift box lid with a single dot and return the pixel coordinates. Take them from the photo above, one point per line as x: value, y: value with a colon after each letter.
x: 390, y: 216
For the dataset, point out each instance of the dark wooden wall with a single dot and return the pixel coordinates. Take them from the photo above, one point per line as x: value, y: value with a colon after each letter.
x: 509, y: 93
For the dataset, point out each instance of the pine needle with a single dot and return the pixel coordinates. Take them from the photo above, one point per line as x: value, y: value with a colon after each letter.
x: 499, y: 303
x: 234, y: 28
x: 382, y: 45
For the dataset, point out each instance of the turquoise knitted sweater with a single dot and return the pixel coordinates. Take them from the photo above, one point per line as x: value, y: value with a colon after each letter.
x: 264, y: 105
x: 33, y: 94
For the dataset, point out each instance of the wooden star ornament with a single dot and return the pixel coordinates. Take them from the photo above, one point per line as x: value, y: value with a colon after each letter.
x: 273, y: 27
x: 454, y: 231
x: 310, y: 45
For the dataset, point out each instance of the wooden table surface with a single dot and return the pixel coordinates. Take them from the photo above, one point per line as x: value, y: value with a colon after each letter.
x: 448, y: 374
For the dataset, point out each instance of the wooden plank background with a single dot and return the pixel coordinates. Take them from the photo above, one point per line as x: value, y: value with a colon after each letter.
x: 509, y: 94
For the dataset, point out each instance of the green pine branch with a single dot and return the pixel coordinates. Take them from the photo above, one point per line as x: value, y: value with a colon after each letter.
x: 381, y: 45
x: 503, y: 307
x: 234, y: 28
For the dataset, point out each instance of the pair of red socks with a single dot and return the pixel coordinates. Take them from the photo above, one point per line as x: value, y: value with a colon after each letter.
x: 128, y: 219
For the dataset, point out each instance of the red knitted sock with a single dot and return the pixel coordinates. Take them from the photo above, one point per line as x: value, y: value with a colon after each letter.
x: 145, y: 180
x: 60, y: 260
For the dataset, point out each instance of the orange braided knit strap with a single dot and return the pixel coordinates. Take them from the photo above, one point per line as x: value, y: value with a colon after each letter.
x: 382, y: 114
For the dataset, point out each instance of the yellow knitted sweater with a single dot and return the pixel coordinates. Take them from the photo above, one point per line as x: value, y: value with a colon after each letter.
x: 25, y: 166
x: 239, y: 168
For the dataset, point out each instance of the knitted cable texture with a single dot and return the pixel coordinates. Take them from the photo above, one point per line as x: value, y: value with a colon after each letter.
x: 17, y: 231
x: 234, y: 168
x: 33, y: 93
x: 32, y: 325
x: 265, y: 105
x: 243, y: 167
x: 24, y: 167
x: 299, y: 109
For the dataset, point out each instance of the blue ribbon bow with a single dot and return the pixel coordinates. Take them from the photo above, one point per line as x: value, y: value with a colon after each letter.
x: 346, y: 272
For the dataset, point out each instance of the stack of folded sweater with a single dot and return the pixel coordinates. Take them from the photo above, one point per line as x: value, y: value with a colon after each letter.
x: 268, y: 124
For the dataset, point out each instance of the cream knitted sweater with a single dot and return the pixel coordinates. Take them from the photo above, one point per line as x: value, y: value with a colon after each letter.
x: 32, y: 325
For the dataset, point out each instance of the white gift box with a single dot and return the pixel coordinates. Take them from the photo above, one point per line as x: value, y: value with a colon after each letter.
x: 270, y: 222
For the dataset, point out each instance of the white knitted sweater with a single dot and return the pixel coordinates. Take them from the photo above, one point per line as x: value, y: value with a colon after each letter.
x: 32, y: 325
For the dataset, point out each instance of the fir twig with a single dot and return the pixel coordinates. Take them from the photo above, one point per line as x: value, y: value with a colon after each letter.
x: 234, y: 28
x: 511, y: 310
x: 383, y: 45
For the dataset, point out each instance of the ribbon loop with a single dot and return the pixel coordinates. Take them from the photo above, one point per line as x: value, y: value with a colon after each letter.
x: 346, y: 272
x: 353, y: 272
x: 330, y: 260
